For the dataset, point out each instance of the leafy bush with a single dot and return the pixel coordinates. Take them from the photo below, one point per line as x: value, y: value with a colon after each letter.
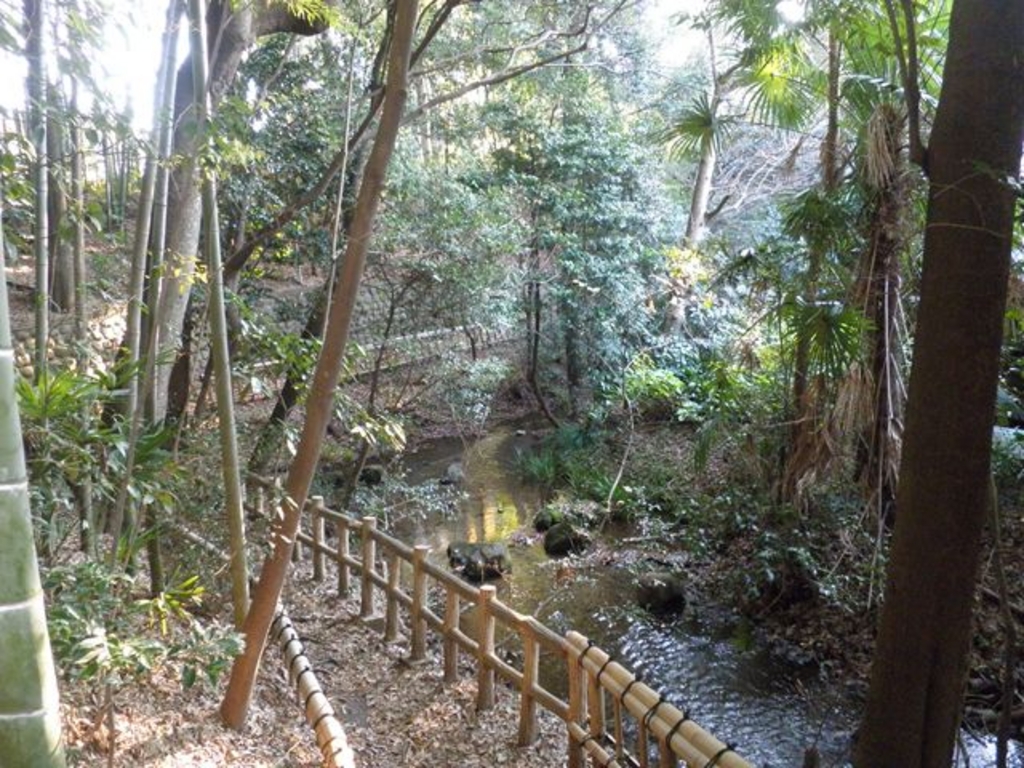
x: 101, y: 632
x: 73, y: 439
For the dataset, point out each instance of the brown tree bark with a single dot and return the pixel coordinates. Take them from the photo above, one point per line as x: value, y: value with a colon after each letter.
x: 232, y: 31
x: 917, y: 682
x: 235, y: 706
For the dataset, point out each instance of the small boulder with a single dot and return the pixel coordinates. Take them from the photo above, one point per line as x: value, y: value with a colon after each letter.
x: 562, y: 539
x: 479, y: 562
x: 661, y: 591
x: 454, y: 474
x: 547, y: 517
x: 371, y: 474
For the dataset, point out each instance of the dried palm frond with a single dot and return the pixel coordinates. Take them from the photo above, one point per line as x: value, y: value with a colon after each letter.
x: 854, y: 406
x: 883, y: 133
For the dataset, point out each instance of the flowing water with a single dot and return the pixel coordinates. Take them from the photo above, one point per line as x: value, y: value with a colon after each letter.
x: 771, y: 711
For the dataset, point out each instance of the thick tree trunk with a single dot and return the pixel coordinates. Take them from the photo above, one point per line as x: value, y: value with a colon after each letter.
x: 29, y: 704
x: 921, y: 658
x: 232, y: 31
x: 163, y: 94
x: 235, y: 706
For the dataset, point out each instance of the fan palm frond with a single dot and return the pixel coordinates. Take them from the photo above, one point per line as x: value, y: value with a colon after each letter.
x: 698, y: 127
x: 835, y: 334
x: 782, y: 87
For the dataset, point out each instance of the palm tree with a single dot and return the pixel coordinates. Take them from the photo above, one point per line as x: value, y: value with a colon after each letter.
x: 29, y: 707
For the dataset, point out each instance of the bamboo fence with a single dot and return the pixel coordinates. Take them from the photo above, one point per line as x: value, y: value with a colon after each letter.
x: 612, y: 718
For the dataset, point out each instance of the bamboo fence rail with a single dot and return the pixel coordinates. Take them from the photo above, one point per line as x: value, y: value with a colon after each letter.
x: 328, y: 730
x: 330, y: 736
x: 611, y: 717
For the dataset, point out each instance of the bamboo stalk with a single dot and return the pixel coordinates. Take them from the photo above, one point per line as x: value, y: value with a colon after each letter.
x: 619, y: 737
x: 595, y: 705
x: 688, y: 740
x: 575, y: 715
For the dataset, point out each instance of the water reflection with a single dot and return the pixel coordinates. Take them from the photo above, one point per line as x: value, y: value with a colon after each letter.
x: 771, y: 711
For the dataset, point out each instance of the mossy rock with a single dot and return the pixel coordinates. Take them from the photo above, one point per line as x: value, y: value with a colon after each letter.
x: 548, y: 517
x: 662, y: 592
x: 479, y: 562
x: 563, y: 539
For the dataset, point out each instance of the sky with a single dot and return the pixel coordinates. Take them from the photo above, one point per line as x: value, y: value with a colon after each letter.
x: 130, y: 56
x: 126, y: 65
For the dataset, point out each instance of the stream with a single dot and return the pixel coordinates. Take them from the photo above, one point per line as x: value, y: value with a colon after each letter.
x: 772, y: 711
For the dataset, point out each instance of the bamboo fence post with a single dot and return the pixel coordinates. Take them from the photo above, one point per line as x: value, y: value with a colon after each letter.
x: 619, y: 736
x: 641, y: 742
x: 418, y: 646
x: 485, y: 647
x: 394, y: 583
x: 527, y: 702
x: 344, y: 584
x: 451, y: 646
x: 575, y: 715
x: 369, y: 545
x: 297, y: 549
x: 317, y: 512
x: 667, y: 758
x: 595, y: 705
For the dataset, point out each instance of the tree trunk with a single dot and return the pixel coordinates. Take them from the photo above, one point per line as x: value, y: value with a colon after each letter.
x: 877, y: 296
x: 82, y: 489
x: 235, y: 706
x: 921, y: 658
x: 29, y: 704
x: 696, y: 224
x: 233, y: 506
x: 35, y: 16
x: 134, y: 339
x: 232, y: 31
x: 806, y: 451
x: 62, y: 269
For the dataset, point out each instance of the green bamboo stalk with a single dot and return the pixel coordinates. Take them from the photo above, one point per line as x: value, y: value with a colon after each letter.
x: 29, y: 706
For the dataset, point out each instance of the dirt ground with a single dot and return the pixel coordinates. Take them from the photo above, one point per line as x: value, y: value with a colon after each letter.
x: 394, y: 713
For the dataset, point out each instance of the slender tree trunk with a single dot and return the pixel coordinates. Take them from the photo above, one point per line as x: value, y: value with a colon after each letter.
x: 219, y: 338
x: 235, y: 706
x: 806, y: 450
x: 696, y: 224
x: 144, y: 214
x: 82, y: 489
x: 29, y: 704
x: 62, y: 281
x: 921, y: 657
x: 35, y: 17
